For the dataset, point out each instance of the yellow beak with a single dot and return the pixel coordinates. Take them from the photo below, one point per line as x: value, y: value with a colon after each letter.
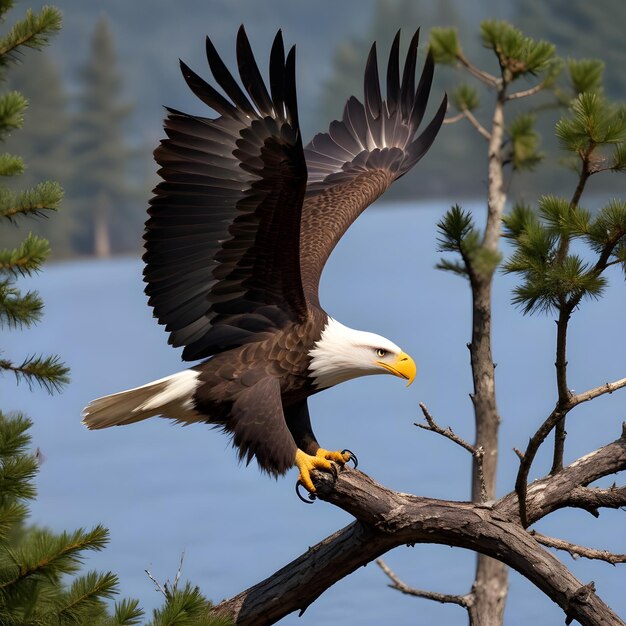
x: 403, y: 366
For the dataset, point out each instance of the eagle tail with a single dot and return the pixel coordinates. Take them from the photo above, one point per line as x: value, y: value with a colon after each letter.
x: 170, y: 397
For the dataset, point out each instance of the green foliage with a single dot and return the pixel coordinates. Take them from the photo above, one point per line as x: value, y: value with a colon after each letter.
x: 41, y: 198
x: 33, y: 31
x: 458, y: 234
x: 26, y: 259
x: 551, y: 278
x: 127, y: 613
x: 465, y: 97
x: 444, y: 44
x: 17, y: 467
x: 45, y: 142
x: 47, y: 371
x: 12, y: 106
x: 18, y: 309
x: 593, y: 122
x: 608, y: 230
x: 586, y: 75
x: 34, y: 562
x: 186, y: 607
x: 518, y: 55
x: 39, y: 581
x: 619, y: 158
x: 525, y: 140
x: 11, y: 165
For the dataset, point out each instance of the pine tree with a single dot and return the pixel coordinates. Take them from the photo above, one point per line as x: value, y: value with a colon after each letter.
x: 19, y: 309
x: 35, y: 562
x: 553, y: 277
x: 43, y: 143
x: 102, y: 191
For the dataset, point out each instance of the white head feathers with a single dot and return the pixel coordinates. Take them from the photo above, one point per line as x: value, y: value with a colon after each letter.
x: 343, y: 353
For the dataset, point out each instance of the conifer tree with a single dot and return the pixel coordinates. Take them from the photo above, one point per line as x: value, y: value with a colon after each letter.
x: 553, y: 278
x: 102, y: 191
x: 35, y: 562
x: 19, y: 309
x: 43, y: 143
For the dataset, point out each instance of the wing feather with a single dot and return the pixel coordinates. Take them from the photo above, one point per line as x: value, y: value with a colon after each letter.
x: 361, y: 155
x: 222, y: 239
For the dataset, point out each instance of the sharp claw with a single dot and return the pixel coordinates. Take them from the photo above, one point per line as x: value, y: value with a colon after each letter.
x: 352, y: 457
x: 312, y: 497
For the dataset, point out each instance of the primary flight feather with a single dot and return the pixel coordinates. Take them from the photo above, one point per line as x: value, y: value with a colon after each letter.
x: 240, y: 229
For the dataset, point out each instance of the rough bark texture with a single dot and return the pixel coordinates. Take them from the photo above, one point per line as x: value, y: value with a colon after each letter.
x: 386, y: 519
x: 491, y: 585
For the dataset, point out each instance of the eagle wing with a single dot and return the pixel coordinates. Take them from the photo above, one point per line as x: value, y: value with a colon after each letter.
x: 359, y: 157
x: 222, y: 239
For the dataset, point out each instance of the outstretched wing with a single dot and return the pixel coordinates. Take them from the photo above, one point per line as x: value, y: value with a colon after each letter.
x: 359, y: 157
x: 222, y: 240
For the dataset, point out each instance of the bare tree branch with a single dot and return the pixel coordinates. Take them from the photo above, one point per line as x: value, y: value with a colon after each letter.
x: 568, y: 487
x: 476, y: 124
x: 387, y: 519
x: 598, y: 391
x: 577, y: 551
x: 477, y: 452
x: 526, y: 92
x: 465, y: 601
x: 454, y: 118
x: 593, y: 498
x: 489, y: 79
x: 559, y: 412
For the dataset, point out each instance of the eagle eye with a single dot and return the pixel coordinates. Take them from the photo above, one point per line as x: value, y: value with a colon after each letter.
x: 381, y: 353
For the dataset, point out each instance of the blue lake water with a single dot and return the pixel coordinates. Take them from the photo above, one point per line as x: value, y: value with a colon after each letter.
x: 163, y: 489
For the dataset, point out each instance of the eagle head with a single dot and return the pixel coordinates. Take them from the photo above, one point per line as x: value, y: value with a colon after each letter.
x: 342, y: 353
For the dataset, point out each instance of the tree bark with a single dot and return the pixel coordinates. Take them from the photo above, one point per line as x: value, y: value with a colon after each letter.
x: 491, y: 584
x: 387, y: 519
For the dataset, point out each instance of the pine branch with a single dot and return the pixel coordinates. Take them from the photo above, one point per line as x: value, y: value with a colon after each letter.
x: 33, y: 31
x: 44, y: 197
x: 27, y: 258
x: 127, y: 613
x: 48, y: 553
x: 12, y: 106
x: 86, y: 593
x: 11, y: 165
x: 48, y: 372
x: 187, y: 606
x: 17, y: 310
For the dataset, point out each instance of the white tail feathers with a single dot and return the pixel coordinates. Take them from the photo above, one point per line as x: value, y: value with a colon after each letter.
x: 170, y: 397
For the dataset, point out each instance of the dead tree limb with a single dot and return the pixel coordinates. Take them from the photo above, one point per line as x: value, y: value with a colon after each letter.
x: 387, y: 519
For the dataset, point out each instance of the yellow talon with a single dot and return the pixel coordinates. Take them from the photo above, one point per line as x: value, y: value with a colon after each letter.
x: 323, y: 460
x: 338, y: 457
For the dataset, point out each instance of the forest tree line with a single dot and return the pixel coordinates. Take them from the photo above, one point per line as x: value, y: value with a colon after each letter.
x: 88, y: 138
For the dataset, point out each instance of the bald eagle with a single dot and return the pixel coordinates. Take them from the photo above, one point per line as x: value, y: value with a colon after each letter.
x: 239, y: 231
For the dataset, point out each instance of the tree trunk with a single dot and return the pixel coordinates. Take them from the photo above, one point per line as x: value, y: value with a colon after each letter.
x: 102, y: 241
x: 490, y: 586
